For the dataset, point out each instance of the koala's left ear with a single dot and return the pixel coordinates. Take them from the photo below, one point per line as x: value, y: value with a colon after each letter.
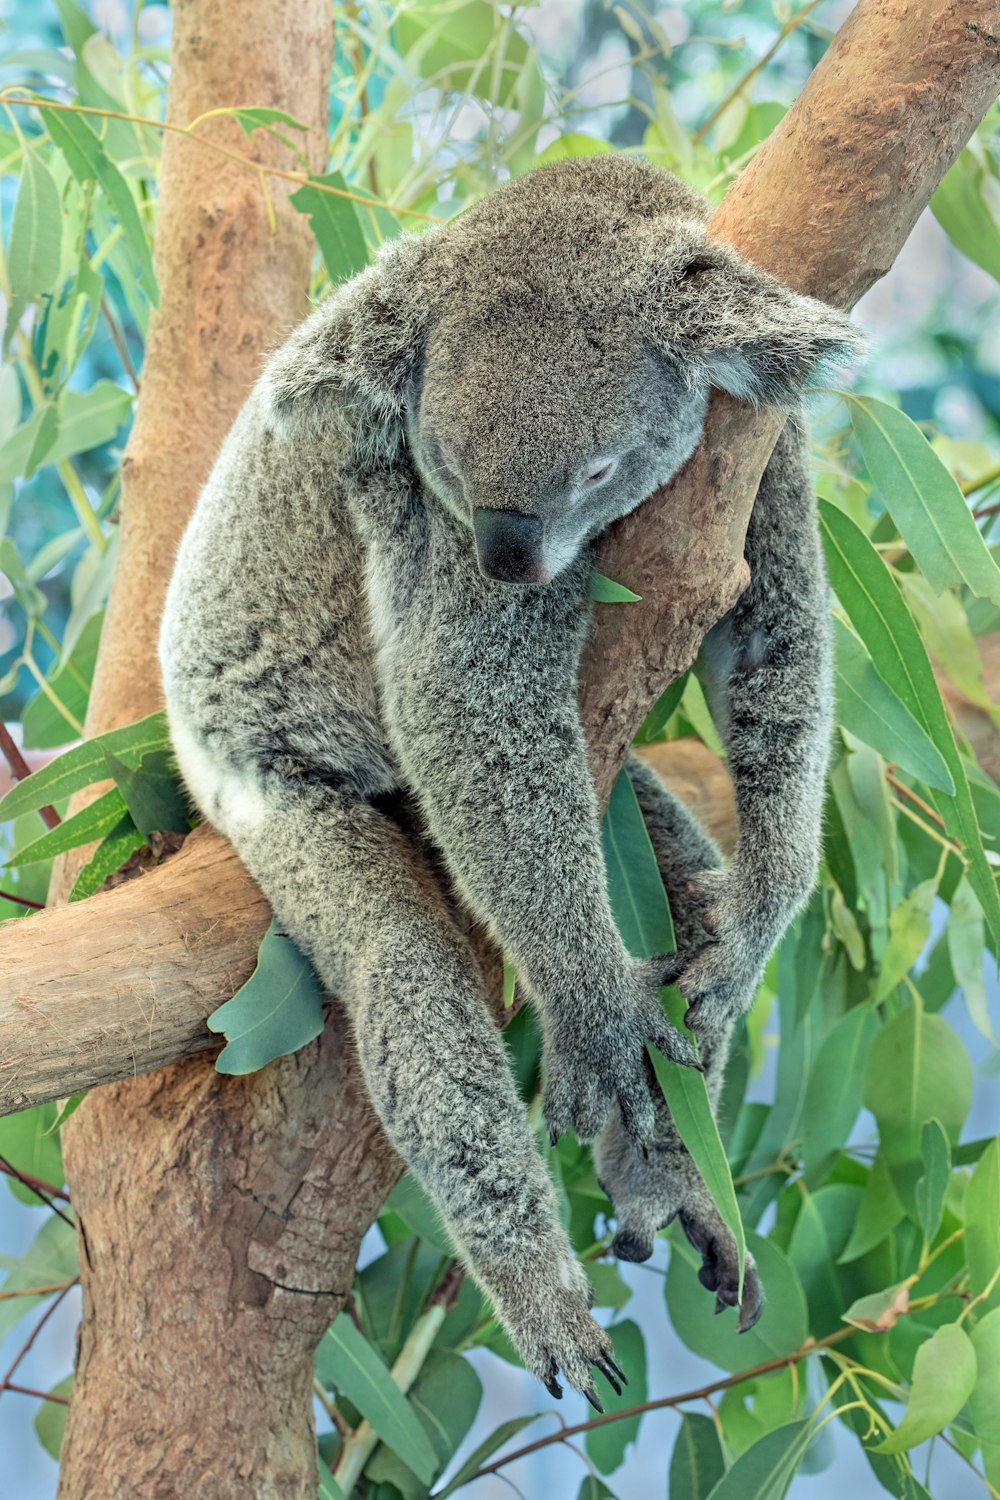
x: 747, y: 333
x: 354, y: 357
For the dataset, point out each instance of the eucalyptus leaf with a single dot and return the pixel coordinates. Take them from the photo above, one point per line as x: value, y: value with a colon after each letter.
x: 336, y: 224
x: 85, y: 764
x: 935, y: 1152
x: 944, y: 1375
x: 82, y: 827
x: 697, y: 1462
x: 869, y: 708
x: 765, y: 1470
x: 277, y: 1011
x: 34, y: 248
x: 984, y: 1403
x: 607, y: 591
x: 111, y: 853
x: 346, y: 1361
x: 982, y: 1226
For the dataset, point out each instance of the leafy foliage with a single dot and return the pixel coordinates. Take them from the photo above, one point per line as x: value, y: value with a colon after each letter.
x: 874, y: 1224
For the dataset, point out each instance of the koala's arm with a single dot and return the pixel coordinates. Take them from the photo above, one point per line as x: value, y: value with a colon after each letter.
x: 768, y: 671
x: 482, y: 713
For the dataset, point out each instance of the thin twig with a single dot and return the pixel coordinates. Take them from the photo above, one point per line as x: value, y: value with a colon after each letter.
x: 20, y: 769
x: 32, y: 1336
x: 29, y: 1390
x: 39, y: 1291
x: 701, y: 1394
x: 118, y: 339
x: 40, y: 1190
x: 22, y: 900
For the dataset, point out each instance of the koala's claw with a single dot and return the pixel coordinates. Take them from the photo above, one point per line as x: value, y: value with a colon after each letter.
x: 592, y: 1397
x: 612, y: 1374
x: 552, y: 1385
x: 719, y: 1271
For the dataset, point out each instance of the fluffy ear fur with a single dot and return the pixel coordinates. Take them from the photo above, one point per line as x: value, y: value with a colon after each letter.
x: 717, y: 314
x: 354, y: 357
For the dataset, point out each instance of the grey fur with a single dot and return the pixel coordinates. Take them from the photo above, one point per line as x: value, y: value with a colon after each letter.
x: 331, y: 652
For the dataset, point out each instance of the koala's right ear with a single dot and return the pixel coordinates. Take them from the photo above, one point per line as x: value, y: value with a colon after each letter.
x: 355, y: 355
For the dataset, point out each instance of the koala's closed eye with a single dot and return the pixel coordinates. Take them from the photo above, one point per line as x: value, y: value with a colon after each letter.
x: 699, y: 266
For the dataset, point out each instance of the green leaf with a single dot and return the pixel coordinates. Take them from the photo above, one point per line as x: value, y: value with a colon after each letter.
x: 984, y: 1403
x: 347, y: 1362
x: 26, y: 1140
x: 471, y: 46
x: 697, y: 1462
x: 153, y: 792
x: 87, y: 160
x: 869, y: 708
x: 924, y: 500
x: 606, y: 1445
x: 960, y: 207
x: 91, y: 822
x: 819, y: 1235
x: 635, y: 888
x: 607, y: 591
x: 44, y: 431
x: 691, y: 1111
x: 254, y: 116
x: 834, y: 1095
x: 43, y: 726
x: 909, y: 929
x: 982, y: 1225
x: 84, y: 764
x: 35, y: 248
x: 336, y: 224
x: 486, y: 1449
x: 445, y: 1397
x: 409, y: 1200
x: 329, y: 1489
x: 765, y: 1470
x: 879, y: 1211
x: 66, y: 1108
x: 929, y: 1192
x: 50, y: 1258
x: 84, y: 420
x: 944, y: 1375
x: 608, y: 1286
x: 783, y: 1325
x: 50, y: 1419
x: 277, y: 1011
x: 917, y: 1070
x: 109, y: 856
x: 878, y: 612
x: 966, y: 946
x: 593, y: 1488
x: 662, y: 711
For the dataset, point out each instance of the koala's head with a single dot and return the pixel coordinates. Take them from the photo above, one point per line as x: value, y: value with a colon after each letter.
x: 544, y: 361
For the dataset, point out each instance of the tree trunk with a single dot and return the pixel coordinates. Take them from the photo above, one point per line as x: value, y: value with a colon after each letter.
x: 220, y: 1218
x: 203, y: 1298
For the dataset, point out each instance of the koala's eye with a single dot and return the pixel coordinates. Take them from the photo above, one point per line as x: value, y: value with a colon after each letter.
x: 599, y: 474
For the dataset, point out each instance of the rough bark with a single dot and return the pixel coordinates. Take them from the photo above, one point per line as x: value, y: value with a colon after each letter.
x: 192, y: 1371
x: 220, y: 1218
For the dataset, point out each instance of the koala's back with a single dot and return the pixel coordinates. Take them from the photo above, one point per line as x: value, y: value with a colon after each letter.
x: 265, y: 649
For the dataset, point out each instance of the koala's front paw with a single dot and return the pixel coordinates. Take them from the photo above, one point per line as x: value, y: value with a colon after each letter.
x: 549, y: 1323
x: 719, y: 979
x: 592, y: 1071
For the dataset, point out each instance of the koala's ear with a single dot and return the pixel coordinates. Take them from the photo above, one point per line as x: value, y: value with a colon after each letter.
x: 353, y: 359
x: 742, y: 329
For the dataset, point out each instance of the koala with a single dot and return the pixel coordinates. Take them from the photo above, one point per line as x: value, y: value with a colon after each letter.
x: 370, y: 653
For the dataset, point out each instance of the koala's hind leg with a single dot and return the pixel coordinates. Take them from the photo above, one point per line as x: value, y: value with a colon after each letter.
x: 649, y: 1190
x: 354, y: 893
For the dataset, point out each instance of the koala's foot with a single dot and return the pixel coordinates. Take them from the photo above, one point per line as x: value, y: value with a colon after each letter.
x: 650, y: 1189
x: 719, y: 978
x: 595, y: 1068
x: 550, y: 1325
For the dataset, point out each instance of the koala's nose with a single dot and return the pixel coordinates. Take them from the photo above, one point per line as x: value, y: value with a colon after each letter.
x: 509, y: 545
